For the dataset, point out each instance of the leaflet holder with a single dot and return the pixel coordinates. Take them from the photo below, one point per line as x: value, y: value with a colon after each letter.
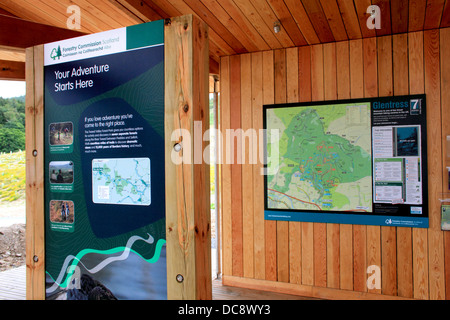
x: 445, y: 211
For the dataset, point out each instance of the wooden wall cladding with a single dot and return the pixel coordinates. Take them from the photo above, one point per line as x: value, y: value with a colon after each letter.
x: 331, y: 260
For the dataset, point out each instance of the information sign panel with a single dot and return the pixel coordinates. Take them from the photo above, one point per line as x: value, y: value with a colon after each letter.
x: 104, y: 165
x: 354, y: 162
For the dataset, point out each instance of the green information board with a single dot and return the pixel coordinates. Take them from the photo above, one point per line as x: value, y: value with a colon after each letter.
x: 104, y: 165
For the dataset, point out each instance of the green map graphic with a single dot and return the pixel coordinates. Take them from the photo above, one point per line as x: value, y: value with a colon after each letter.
x: 324, y: 158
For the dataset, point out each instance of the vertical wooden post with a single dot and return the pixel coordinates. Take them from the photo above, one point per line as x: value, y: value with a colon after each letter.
x: 34, y: 118
x: 187, y: 183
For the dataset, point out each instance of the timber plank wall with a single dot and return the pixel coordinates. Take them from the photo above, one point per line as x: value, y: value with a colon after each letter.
x: 331, y: 260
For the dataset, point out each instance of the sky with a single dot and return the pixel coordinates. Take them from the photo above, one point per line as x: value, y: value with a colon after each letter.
x: 11, y: 89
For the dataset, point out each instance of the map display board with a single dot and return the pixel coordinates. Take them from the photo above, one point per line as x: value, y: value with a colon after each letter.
x: 105, y: 165
x: 352, y: 162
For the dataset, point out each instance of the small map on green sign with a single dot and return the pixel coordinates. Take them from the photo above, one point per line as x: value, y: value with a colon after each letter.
x: 121, y: 181
x: 324, y: 158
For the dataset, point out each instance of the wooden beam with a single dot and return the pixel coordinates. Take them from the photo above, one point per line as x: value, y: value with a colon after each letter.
x: 187, y: 181
x: 12, y: 55
x: 19, y: 33
x: 303, y: 290
x: 213, y: 66
x: 12, y: 70
x: 34, y: 133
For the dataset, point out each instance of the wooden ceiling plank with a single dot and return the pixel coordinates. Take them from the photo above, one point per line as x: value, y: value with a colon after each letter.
x: 288, y: 22
x: 301, y: 18
x: 20, y: 33
x: 209, y: 18
x: 319, y: 20
x: 58, y: 11
x: 168, y: 8
x: 227, y: 21
x: 269, y: 17
x: 215, y: 51
x: 175, y: 9
x: 12, y: 70
x: 417, y: 9
x: 116, y: 11
x: 385, y: 16
x: 140, y: 9
x: 399, y: 16
x: 433, y: 14
x: 350, y: 18
x: 445, y: 21
x: 28, y: 11
x: 158, y: 8
x: 182, y: 7
x: 90, y: 15
x: 125, y: 12
x: 221, y: 44
x: 361, y: 10
x: 255, y: 19
x: 20, y: 11
x: 113, y: 13
x: 213, y: 36
x: 333, y: 15
x: 244, y: 23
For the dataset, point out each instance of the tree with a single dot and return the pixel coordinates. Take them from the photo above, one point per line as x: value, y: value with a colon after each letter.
x: 12, y: 124
x: 11, y: 140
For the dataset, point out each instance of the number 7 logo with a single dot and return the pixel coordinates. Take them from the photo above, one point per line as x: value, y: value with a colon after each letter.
x: 415, y: 107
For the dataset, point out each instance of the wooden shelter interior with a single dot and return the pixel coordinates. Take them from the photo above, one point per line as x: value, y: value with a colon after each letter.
x: 407, y: 55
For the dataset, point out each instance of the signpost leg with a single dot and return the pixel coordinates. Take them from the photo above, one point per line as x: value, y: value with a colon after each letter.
x: 35, y: 173
x: 187, y: 184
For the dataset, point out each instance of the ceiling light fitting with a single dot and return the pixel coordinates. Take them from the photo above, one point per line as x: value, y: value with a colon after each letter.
x: 277, y: 26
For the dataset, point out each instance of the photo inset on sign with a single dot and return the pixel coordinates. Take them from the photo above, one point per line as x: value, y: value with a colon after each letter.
x: 121, y: 181
x: 61, y: 172
x: 406, y: 141
x: 445, y: 217
x: 62, y: 211
x: 61, y: 134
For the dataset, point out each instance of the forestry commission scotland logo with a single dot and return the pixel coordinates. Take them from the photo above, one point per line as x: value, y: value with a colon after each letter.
x: 56, y: 53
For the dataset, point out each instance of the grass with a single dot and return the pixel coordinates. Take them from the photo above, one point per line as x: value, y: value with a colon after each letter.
x: 12, y: 176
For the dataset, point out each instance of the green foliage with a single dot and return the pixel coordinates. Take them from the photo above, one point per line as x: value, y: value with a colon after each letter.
x: 11, y: 140
x: 12, y: 176
x: 12, y: 124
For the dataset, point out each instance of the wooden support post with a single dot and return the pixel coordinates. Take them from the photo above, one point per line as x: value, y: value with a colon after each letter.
x: 187, y: 183
x: 34, y: 118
